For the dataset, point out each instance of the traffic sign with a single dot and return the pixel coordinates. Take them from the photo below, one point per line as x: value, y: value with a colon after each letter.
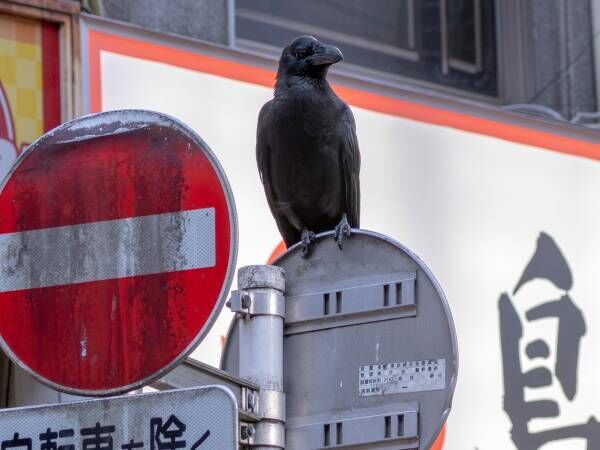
x: 370, y: 353
x: 118, y: 241
x: 198, y: 418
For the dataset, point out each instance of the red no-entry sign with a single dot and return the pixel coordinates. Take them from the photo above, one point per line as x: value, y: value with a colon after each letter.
x: 117, y: 246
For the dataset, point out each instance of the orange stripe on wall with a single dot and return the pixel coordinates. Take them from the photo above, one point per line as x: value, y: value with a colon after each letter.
x: 153, y: 52
x: 479, y: 125
x: 99, y: 41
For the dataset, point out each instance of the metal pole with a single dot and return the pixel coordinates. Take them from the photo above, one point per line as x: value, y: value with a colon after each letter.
x: 260, y: 305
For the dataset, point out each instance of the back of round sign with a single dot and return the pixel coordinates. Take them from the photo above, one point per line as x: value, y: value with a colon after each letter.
x: 370, y: 351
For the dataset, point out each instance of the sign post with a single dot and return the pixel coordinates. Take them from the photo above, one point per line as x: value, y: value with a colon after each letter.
x: 260, y: 305
x: 118, y: 242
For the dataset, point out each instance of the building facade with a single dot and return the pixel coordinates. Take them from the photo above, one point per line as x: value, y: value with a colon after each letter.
x: 478, y: 127
x: 514, y: 52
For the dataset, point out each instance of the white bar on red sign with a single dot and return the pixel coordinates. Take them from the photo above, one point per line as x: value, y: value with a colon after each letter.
x: 106, y: 250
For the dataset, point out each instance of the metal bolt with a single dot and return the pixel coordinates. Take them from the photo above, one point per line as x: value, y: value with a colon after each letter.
x: 251, y: 401
x: 246, y: 301
x: 247, y: 432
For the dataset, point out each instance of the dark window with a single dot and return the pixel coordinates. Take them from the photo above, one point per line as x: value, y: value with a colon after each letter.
x: 447, y: 42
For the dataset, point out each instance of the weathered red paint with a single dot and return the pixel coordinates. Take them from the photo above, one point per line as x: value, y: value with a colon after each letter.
x: 134, y: 326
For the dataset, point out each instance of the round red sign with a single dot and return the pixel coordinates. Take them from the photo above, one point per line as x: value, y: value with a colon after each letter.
x: 118, y: 242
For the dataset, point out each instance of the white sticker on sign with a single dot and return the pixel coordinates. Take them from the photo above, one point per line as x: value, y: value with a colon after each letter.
x: 402, y: 377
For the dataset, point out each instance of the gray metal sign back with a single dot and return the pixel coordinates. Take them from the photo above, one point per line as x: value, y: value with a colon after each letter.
x: 370, y: 350
x: 197, y: 418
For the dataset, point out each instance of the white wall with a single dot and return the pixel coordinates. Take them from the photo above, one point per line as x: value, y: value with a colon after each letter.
x: 470, y: 206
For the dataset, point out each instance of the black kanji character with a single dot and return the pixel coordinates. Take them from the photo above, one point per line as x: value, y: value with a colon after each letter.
x: 200, y: 441
x: 97, y: 441
x: 131, y: 445
x: 16, y: 442
x: 164, y: 436
x: 49, y: 437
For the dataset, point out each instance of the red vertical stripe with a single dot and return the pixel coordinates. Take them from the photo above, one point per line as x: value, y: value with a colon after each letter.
x: 51, y: 75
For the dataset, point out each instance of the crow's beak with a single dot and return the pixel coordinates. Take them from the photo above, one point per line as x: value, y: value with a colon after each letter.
x: 329, y: 55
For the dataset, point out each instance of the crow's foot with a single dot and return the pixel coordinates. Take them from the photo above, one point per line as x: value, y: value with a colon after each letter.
x: 308, y: 237
x: 342, y: 229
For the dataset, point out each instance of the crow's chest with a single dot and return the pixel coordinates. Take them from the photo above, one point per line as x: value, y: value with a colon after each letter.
x: 306, y: 127
x: 305, y: 152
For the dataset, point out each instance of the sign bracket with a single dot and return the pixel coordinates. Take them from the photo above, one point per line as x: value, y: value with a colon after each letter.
x: 364, y: 429
x: 366, y: 299
x: 192, y: 373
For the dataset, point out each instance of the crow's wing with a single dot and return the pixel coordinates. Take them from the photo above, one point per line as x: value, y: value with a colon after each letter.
x: 350, y: 162
x: 262, y: 151
x: 289, y: 233
x: 262, y: 154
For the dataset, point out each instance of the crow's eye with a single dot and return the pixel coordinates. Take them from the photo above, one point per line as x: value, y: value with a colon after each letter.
x: 301, y: 53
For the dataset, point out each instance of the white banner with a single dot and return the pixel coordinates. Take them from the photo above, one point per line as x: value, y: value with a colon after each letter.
x: 476, y: 209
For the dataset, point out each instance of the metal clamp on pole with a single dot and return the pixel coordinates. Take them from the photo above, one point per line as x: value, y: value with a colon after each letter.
x: 260, y: 305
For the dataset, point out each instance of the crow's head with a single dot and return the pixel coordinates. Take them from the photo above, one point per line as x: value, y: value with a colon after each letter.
x: 306, y: 57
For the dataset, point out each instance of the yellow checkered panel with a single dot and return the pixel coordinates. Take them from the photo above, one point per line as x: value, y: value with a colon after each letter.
x: 21, y: 74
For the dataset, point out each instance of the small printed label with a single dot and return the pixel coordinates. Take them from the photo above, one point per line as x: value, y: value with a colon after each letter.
x: 402, y: 377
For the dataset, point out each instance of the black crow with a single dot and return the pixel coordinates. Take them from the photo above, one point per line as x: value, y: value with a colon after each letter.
x: 306, y: 148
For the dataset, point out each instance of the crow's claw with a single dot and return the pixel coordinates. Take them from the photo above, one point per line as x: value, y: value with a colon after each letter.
x: 342, y: 229
x: 308, y: 237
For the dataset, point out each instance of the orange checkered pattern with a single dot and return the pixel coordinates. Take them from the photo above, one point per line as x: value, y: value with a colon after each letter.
x: 21, y: 75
